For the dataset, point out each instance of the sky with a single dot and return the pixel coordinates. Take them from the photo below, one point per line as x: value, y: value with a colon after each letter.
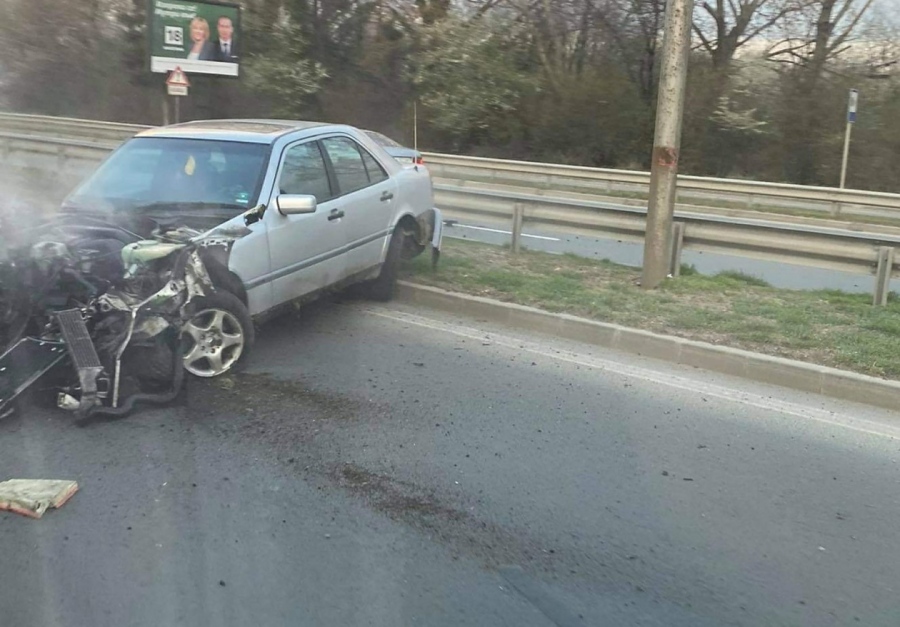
x: 887, y: 10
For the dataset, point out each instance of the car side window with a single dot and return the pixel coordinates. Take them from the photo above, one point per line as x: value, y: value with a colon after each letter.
x: 349, y: 167
x: 373, y: 168
x: 304, y: 172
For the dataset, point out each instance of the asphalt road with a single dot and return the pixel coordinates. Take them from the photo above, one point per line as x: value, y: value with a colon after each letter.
x: 784, y: 275
x: 380, y: 465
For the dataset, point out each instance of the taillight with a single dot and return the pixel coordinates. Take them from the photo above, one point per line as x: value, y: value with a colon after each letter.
x: 420, y: 161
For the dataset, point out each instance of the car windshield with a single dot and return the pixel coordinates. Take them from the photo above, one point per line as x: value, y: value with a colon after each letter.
x: 157, y: 172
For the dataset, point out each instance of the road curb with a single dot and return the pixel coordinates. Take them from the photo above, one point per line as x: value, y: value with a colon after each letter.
x: 797, y: 375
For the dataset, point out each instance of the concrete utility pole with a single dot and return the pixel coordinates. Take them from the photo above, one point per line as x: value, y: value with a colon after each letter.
x: 852, y: 102
x: 667, y: 142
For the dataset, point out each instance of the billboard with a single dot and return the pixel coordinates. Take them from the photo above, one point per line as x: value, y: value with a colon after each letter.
x: 201, y: 37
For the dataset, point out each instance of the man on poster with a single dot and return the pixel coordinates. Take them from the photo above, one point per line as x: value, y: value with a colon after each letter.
x: 199, y: 36
x: 226, y: 50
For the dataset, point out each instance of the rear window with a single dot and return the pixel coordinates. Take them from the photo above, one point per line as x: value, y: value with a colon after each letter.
x: 383, y: 140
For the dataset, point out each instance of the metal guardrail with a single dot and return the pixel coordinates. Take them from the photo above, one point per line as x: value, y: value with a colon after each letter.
x: 819, y: 247
x: 692, y: 190
x: 85, y: 143
x: 96, y: 148
x: 68, y: 128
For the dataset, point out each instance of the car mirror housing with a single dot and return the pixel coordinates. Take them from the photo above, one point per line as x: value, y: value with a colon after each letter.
x: 295, y: 204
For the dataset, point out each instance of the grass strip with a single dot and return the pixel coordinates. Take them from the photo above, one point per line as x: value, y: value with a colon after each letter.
x: 826, y: 327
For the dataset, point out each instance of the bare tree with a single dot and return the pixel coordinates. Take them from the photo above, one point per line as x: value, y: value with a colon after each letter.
x: 820, y: 32
x: 635, y: 29
x: 724, y: 26
x: 567, y: 36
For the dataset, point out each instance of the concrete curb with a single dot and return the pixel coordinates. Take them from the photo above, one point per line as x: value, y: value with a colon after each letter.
x: 797, y: 375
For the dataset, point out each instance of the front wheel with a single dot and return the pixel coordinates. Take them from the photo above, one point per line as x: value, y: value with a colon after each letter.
x: 218, y: 335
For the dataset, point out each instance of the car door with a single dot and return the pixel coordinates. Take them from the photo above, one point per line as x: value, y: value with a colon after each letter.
x: 307, y: 252
x: 368, y: 199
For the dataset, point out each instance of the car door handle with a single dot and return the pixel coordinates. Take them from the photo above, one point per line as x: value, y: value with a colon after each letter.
x: 387, y: 196
x: 335, y: 214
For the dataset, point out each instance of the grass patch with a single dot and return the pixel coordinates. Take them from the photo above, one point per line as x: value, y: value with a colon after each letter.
x: 731, y: 308
x: 742, y: 278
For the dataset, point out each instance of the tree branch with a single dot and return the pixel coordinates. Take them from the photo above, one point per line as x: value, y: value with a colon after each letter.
x: 733, y: 8
x: 838, y: 41
x: 704, y: 42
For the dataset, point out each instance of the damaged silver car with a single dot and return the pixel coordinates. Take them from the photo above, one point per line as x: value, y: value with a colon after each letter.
x: 108, y: 322
x: 160, y: 261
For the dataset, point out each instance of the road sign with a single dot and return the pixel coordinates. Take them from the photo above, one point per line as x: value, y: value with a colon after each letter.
x: 177, y: 83
x: 851, y: 105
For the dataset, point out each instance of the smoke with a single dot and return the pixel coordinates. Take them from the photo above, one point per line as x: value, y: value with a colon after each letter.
x: 30, y: 192
x: 27, y: 195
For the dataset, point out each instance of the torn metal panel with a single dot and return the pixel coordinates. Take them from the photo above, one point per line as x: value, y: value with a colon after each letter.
x: 23, y: 364
x: 196, y: 277
x: 150, y: 327
x: 115, y: 302
x: 229, y: 232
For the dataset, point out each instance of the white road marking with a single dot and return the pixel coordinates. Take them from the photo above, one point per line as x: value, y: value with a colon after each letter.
x: 758, y: 401
x: 484, y: 228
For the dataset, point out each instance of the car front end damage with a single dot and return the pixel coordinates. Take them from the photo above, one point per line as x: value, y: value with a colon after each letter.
x: 94, y: 314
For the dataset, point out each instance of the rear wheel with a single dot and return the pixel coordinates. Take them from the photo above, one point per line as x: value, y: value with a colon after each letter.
x: 218, y: 336
x: 382, y: 288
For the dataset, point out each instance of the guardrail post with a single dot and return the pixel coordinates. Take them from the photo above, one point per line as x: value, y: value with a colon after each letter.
x: 883, y: 275
x: 677, y: 247
x: 518, y: 219
x: 61, y: 158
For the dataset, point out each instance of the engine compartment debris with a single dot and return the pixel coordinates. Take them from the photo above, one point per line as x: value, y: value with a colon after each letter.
x: 95, y: 310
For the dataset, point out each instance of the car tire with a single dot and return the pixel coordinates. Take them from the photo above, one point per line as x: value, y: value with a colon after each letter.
x: 382, y: 288
x: 152, y: 365
x: 218, y: 336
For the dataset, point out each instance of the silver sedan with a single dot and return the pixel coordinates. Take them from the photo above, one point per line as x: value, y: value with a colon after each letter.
x: 303, y: 206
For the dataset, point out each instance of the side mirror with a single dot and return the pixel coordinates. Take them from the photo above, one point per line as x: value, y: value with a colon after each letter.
x: 293, y: 204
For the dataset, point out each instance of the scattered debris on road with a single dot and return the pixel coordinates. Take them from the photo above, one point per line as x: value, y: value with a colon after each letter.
x: 32, y: 497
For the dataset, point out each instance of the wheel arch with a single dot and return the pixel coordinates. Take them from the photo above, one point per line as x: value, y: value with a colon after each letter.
x: 416, y: 235
x: 225, y: 279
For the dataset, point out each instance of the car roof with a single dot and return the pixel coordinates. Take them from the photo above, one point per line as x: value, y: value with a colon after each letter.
x: 254, y: 131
